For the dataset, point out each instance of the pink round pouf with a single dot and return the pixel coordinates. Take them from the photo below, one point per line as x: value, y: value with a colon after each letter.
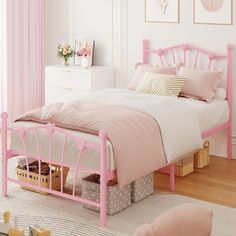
x: 185, y: 220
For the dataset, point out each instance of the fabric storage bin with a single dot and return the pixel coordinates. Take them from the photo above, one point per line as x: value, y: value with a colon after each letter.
x: 142, y: 188
x: 185, y: 166
x: 117, y: 198
x: 202, y: 157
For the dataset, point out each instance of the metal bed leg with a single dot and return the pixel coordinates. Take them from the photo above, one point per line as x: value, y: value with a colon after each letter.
x: 4, y: 117
x: 103, y: 180
x: 229, y: 143
x: 172, y: 178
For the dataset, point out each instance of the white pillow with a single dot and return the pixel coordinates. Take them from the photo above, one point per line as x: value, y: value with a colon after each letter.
x: 220, y: 94
x: 142, y: 69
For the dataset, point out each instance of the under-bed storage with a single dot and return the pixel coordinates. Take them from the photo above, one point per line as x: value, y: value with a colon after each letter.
x: 117, y: 198
x: 142, y: 188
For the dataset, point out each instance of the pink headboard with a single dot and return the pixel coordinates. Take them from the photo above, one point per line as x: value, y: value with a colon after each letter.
x: 170, y: 55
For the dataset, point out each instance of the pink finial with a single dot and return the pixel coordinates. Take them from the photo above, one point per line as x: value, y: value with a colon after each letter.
x: 50, y: 128
x: 211, y: 56
x: 4, y: 115
x: 185, y: 47
x: 145, y: 53
x: 21, y: 132
x: 230, y: 46
x: 102, y: 134
x: 81, y: 145
x: 160, y: 51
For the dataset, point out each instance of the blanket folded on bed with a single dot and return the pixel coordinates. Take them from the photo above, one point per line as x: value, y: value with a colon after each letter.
x: 135, y: 135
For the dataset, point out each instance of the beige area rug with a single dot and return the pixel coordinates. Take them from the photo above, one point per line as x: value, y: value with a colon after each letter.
x: 59, y: 227
x: 24, y: 202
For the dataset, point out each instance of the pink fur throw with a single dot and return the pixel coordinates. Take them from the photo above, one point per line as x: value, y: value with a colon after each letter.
x: 183, y: 220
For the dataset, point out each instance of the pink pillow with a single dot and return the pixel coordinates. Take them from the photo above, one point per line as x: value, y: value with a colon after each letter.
x: 185, y: 220
x: 142, y: 69
x: 201, y: 84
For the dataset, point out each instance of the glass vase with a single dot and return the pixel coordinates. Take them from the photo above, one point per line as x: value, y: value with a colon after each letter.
x: 65, y: 62
x: 84, y: 62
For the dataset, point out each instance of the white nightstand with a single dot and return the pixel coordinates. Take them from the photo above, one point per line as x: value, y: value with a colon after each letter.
x: 66, y: 83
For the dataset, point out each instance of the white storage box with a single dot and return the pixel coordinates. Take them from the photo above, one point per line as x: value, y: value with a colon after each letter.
x: 142, y: 188
x: 117, y: 198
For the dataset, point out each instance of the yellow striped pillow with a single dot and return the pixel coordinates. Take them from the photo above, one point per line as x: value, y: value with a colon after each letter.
x: 161, y: 84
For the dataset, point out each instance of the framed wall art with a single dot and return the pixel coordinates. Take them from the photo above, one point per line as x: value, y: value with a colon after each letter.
x: 84, y: 49
x: 213, y: 12
x: 166, y: 11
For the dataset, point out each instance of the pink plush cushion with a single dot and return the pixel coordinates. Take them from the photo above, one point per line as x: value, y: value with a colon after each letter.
x: 185, y: 220
x: 142, y: 69
x: 201, y: 84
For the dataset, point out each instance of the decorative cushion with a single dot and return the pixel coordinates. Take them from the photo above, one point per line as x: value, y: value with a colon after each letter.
x: 160, y: 84
x: 142, y: 69
x: 186, y: 219
x: 220, y: 94
x: 201, y: 84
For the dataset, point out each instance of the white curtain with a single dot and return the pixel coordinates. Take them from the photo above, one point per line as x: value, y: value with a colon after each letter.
x: 3, y: 57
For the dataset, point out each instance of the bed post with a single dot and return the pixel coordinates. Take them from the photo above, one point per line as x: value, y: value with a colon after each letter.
x: 4, y: 117
x: 229, y: 98
x: 103, y: 179
x: 145, y: 53
x: 172, y: 177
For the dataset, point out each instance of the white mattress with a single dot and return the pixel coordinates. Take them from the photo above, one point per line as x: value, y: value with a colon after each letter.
x: 209, y: 115
x: 89, y: 159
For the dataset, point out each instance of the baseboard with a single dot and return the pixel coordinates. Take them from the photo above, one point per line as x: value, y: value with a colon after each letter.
x: 218, y: 145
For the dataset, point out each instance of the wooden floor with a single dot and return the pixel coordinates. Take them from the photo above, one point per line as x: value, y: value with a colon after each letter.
x: 215, y: 183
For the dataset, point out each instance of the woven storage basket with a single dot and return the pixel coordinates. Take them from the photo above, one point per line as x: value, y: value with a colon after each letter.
x: 184, y: 167
x: 45, y: 179
x: 202, y: 157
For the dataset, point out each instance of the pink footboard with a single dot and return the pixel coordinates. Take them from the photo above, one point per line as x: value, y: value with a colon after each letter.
x: 105, y: 175
x: 81, y: 145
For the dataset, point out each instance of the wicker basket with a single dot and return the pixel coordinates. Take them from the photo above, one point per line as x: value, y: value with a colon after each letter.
x: 184, y: 167
x: 202, y: 157
x: 45, y: 179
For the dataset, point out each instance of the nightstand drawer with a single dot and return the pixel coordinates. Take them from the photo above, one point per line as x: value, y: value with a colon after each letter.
x: 68, y: 79
x: 53, y: 94
x: 68, y: 83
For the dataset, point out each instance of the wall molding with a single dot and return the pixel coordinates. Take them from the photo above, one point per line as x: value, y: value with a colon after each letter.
x: 122, y: 64
x: 99, y: 60
x: 73, y: 25
x: 72, y: 21
x: 119, y: 38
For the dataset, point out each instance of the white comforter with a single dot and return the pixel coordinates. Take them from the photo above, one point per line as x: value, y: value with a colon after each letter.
x: 178, y: 122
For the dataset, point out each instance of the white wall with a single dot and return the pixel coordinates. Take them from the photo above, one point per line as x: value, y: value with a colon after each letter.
x: 118, y: 27
x: 56, y: 28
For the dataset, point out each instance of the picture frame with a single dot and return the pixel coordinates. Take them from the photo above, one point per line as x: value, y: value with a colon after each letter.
x: 213, y: 12
x: 162, y: 11
x: 84, y: 48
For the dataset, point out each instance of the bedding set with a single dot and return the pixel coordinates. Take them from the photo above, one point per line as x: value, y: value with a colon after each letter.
x: 149, y: 125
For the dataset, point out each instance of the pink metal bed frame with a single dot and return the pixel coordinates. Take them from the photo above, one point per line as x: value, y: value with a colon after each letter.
x: 162, y: 52
x: 105, y: 175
